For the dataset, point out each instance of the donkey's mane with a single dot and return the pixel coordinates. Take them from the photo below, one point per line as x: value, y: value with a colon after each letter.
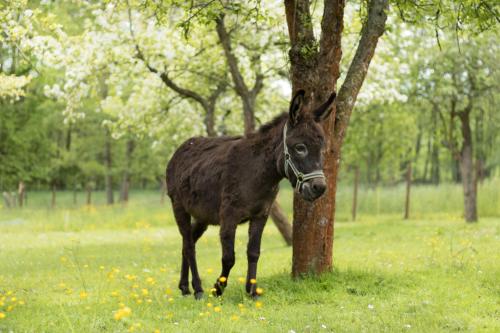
x: 273, y: 123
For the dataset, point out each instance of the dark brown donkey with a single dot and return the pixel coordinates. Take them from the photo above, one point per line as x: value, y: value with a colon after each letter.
x: 230, y: 180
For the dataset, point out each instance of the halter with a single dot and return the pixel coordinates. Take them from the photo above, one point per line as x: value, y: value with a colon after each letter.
x: 301, y: 178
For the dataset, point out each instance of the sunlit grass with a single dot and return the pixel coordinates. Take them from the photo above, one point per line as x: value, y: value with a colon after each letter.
x: 95, y: 269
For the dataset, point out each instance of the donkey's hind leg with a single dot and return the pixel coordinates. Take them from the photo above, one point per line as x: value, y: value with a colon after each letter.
x: 198, y: 229
x: 183, y: 220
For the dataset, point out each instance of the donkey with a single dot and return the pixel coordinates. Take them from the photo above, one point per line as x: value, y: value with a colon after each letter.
x: 233, y: 179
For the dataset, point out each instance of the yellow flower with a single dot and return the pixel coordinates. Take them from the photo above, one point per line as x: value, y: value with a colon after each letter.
x: 217, y: 309
x: 62, y: 285
x: 253, y: 281
x: 258, y: 304
x: 222, y: 279
x: 150, y: 280
x: 123, y: 313
x: 115, y: 293
x: 156, y: 331
x: 2, y: 315
x: 168, y: 291
x: 209, y: 270
x: 241, y: 306
x: 171, y: 300
x: 259, y: 291
x: 209, y: 305
x: 163, y: 269
x: 130, y: 277
x: 101, y: 268
x: 13, y: 299
x: 234, y: 317
x: 241, y: 280
x: 21, y: 302
x: 145, y: 292
x: 83, y: 295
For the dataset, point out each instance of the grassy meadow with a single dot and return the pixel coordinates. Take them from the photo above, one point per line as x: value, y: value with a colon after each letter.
x: 101, y: 268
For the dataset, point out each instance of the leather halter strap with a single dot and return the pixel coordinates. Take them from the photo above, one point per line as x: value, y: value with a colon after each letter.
x: 301, y: 177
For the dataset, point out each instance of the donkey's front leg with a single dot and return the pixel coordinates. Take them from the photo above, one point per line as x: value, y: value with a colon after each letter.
x: 253, y: 252
x: 227, y: 235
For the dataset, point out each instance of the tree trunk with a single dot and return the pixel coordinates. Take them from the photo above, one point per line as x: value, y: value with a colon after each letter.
x: 124, y: 192
x: 108, y: 163
x: 20, y: 193
x: 408, y: 189
x: 281, y: 221
x: 355, y: 193
x: 467, y: 169
x: 317, y: 71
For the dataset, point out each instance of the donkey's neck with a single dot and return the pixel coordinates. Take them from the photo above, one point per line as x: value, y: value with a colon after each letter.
x: 267, y: 143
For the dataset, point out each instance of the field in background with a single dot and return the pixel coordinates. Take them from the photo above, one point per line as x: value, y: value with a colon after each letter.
x: 115, y: 268
x: 427, y: 201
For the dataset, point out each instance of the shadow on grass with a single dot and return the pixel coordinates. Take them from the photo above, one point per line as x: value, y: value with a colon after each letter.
x: 333, y: 285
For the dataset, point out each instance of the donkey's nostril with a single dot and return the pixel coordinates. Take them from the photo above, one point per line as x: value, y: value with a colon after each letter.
x: 318, y: 187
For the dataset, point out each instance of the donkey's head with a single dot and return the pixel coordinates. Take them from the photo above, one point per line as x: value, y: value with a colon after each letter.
x: 304, y: 141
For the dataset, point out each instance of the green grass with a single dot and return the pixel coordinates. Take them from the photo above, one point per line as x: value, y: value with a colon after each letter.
x: 433, y: 273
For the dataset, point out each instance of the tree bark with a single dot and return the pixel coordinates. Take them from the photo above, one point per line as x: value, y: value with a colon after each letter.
x: 317, y: 71
x: 467, y: 168
x: 129, y: 150
x: 408, y: 189
x: 108, y: 163
x: 20, y: 193
x: 355, y: 193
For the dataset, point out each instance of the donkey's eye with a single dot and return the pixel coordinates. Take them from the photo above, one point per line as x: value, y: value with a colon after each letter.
x: 301, y: 149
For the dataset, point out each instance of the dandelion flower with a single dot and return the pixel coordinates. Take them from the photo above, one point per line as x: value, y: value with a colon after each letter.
x: 150, y: 280
x: 122, y: 313
x: 209, y: 305
x: 258, y: 304
x: 234, y: 317
x: 241, y: 280
x: 145, y: 292
x: 217, y: 309
x: 168, y: 291
x: 253, y: 281
x: 83, y: 295
x: 171, y: 300
x: 222, y: 279
x: 2, y: 315
x: 259, y: 291
x: 210, y: 270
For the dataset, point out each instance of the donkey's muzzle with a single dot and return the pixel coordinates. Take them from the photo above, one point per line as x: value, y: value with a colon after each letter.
x: 313, y: 189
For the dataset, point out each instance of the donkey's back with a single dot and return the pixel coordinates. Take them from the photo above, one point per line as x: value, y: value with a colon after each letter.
x: 194, y: 175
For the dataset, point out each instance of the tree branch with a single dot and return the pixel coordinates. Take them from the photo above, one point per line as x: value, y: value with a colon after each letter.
x: 370, y: 34
x: 239, y: 83
x: 186, y: 93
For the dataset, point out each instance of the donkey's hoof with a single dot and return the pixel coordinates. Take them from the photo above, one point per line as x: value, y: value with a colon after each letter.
x: 198, y: 295
x: 185, y: 291
x: 218, y: 289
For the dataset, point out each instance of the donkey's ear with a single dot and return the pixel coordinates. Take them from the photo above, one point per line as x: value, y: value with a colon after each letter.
x: 324, y: 110
x: 296, y: 106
